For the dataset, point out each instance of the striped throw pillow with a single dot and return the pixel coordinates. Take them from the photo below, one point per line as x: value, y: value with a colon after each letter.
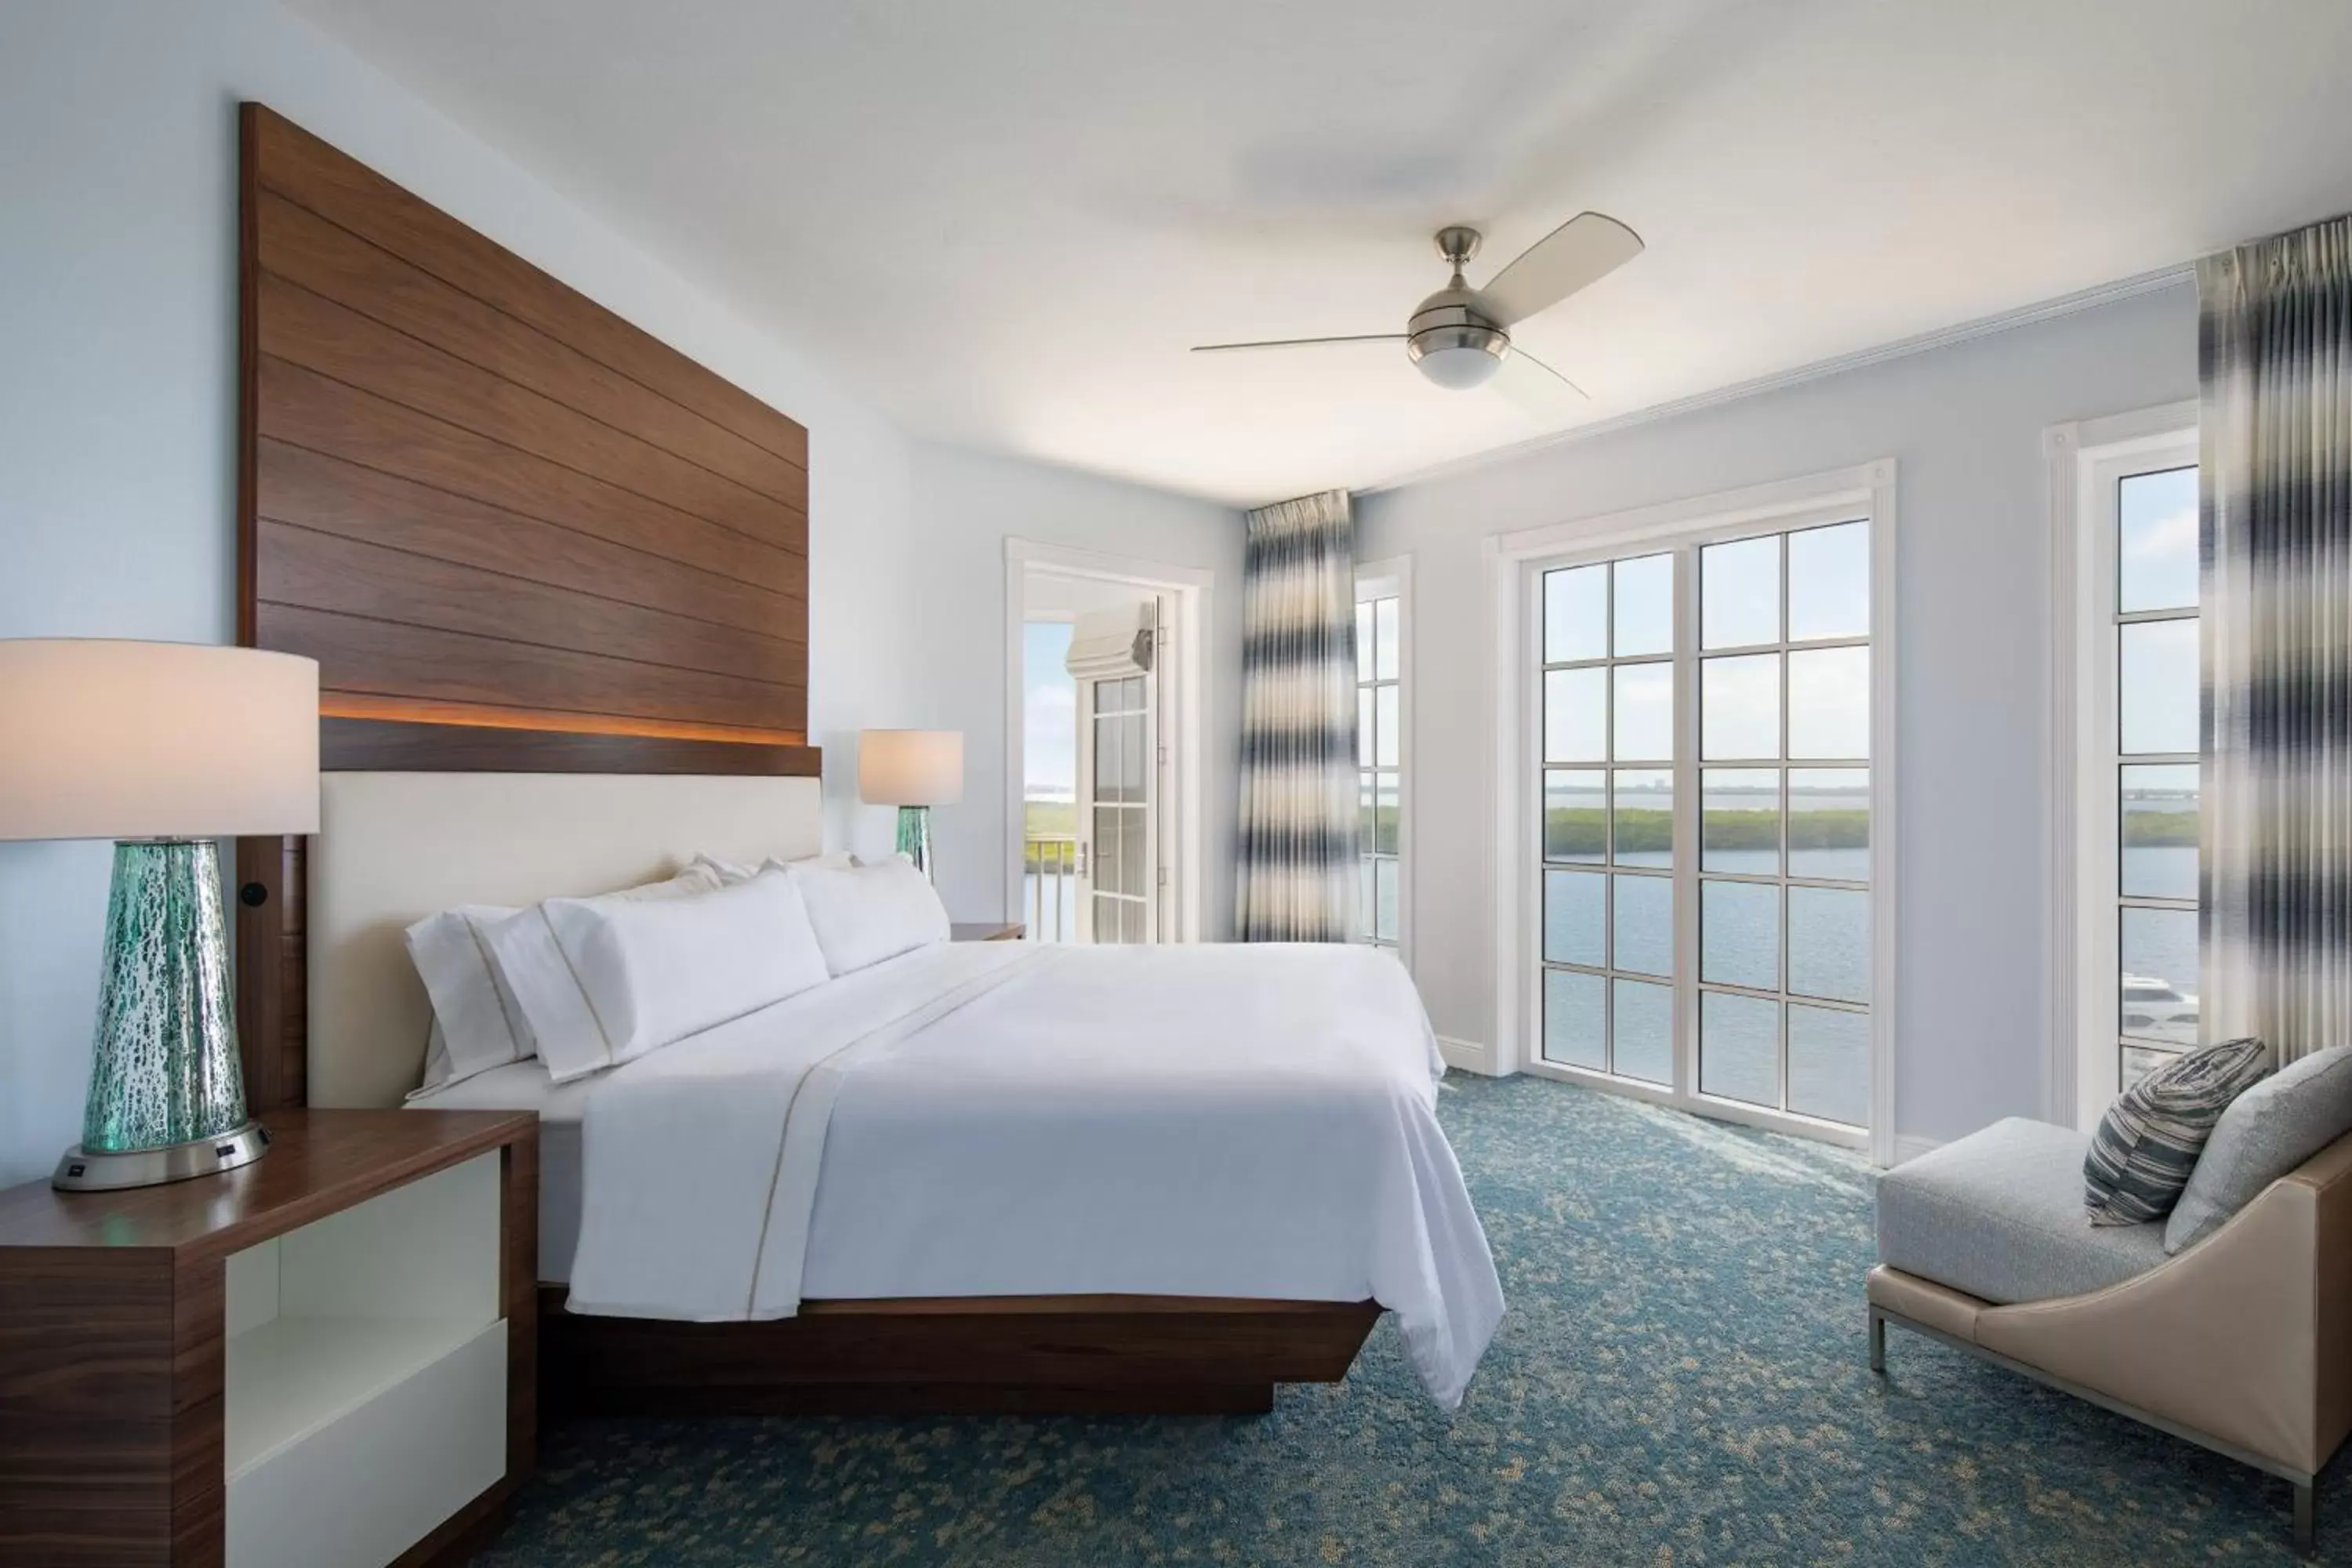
x: 2150, y: 1138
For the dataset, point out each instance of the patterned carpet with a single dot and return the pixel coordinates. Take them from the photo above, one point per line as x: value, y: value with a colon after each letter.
x: 1680, y: 1380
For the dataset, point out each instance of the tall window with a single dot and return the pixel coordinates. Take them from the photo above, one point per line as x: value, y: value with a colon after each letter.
x: 2137, y: 723
x: 1381, y: 747
x: 1707, y: 720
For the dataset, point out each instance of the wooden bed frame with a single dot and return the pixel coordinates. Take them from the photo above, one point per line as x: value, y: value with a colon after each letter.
x: 521, y: 535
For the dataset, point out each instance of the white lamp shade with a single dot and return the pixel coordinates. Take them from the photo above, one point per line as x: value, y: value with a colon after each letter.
x: 910, y: 767
x: 102, y: 739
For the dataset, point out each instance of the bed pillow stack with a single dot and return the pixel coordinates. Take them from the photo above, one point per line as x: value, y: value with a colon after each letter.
x: 864, y: 914
x: 479, y: 1021
x: 639, y: 974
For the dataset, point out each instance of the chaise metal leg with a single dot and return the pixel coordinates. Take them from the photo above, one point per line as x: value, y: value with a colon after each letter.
x: 2307, y: 1526
x: 1877, y: 1341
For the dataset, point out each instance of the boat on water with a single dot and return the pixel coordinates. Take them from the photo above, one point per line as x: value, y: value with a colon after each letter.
x: 2152, y: 1004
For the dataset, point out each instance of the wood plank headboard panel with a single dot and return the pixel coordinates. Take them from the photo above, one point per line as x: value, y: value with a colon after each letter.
x: 517, y: 532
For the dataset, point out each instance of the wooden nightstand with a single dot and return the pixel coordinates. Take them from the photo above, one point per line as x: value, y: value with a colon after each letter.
x: 987, y: 930
x: 328, y: 1357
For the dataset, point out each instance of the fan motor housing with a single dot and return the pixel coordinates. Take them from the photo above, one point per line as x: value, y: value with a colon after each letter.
x: 1454, y: 318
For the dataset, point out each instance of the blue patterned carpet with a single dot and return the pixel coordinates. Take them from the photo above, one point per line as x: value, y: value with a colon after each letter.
x: 1680, y: 1380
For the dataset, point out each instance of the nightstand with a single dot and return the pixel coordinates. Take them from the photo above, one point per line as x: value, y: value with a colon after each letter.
x: 986, y: 930
x: 326, y: 1358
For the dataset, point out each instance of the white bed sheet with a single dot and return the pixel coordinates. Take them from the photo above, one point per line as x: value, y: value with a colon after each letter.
x: 1006, y: 1119
x: 526, y: 1085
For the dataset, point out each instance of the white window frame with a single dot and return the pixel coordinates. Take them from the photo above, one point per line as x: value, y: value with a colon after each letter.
x: 1514, y: 564
x: 1386, y: 579
x: 2086, y: 460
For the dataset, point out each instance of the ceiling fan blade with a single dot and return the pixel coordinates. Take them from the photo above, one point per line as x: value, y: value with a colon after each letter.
x: 1540, y: 392
x: 1584, y: 249
x: 1298, y: 343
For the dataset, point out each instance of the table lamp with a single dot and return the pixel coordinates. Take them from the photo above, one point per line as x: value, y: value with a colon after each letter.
x: 913, y: 770
x: 163, y: 748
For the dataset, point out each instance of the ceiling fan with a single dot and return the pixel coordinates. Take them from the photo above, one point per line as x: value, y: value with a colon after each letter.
x: 1460, y: 337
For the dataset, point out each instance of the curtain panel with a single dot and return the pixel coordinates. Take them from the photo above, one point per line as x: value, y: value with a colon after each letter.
x: 2275, y: 361
x: 1296, y: 868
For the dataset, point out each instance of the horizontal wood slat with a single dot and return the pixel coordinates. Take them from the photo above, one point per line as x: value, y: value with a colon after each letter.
x: 301, y: 328
x: 385, y: 658
x: 302, y: 408
x: 326, y: 572
x: 300, y: 246
x: 329, y: 495
x: 377, y: 745
x: 299, y: 166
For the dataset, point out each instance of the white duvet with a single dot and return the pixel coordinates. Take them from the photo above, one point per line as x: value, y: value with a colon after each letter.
x: 1000, y: 1118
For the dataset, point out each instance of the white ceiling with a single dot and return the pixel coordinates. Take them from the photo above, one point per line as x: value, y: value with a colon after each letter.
x: 1003, y: 221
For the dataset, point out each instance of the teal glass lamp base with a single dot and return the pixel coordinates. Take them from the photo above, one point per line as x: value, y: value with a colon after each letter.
x: 914, y: 836
x: 166, y: 1086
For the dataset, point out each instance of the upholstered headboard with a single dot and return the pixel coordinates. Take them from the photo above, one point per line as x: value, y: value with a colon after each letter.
x: 394, y: 848
x: 528, y: 544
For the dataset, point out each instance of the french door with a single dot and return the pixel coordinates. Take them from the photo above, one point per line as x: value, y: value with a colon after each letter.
x: 1701, y: 735
x: 1122, y: 758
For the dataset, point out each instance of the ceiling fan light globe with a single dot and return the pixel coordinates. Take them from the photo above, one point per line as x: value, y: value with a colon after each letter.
x: 1458, y: 367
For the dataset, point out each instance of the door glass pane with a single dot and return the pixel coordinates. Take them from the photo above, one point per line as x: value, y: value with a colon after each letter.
x: 1645, y: 712
x: 1389, y: 649
x: 1364, y: 739
x: 1829, y: 581
x: 1645, y: 606
x: 1576, y: 705
x: 1384, y: 818
x: 1136, y: 851
x: 1828, y: 943
x: 1739, y: 1047
x: 1138, y: 729
x: 1739, y: 821
x: 1643, y: 816
x: 1576, y: 824
x: 1389, y: 752
x: 1829, y: 1064
x: 1643, y: 925
x: 1107, y: 848
x: 2156, y: 541
x: 2159, y: 831
x: 1576, y: 613
x: 1642, y: 1029
x: 1110, y: 774
x: 1828, y: 702
x: 2157, y: 677
x: 1739, y: 707
x: 1739, y: 593
x: 1829, y: 824
x: 1576, y: 1018
x: 2157, y: 997
x: 1131, y: 919
x: 1740, y: 934
x: 1576, y: 917
x: 1106, y: 918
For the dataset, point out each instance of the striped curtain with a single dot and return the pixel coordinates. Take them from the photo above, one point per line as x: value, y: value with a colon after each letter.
x: 2274, y: 357
x: 1296, y: 859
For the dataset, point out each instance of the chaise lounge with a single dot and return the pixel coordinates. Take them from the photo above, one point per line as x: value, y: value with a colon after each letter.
x: 2230, y: 1324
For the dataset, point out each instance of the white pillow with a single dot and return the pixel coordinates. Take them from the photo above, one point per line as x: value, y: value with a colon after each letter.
x: 477, y: 1023
x: 732, y: 871
x: 657, y: 970
x: 557, y: 1023
x: 865, y: 914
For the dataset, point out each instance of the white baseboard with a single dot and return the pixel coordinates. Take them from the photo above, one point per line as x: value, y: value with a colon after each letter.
x: 1468, y: 1056
x: 1910, y: 1146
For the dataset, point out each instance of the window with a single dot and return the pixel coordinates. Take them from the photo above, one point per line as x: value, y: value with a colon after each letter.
x: 1381, y: 747
x: 1702, y: 838
x: 2134, y: 971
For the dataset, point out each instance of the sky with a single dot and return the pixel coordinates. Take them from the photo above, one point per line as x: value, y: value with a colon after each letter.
x: 1050, y: 711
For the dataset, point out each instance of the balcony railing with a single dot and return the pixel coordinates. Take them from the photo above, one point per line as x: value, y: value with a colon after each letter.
x: 1049, y: 876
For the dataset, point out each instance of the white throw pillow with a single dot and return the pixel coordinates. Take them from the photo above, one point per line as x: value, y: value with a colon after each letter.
x: 866, y: 913
x: 561, y: 1026
x: 732, y: 871
x: 477, y: 1023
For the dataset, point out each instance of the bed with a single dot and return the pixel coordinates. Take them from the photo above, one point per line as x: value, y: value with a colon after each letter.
x: 556, y: 576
